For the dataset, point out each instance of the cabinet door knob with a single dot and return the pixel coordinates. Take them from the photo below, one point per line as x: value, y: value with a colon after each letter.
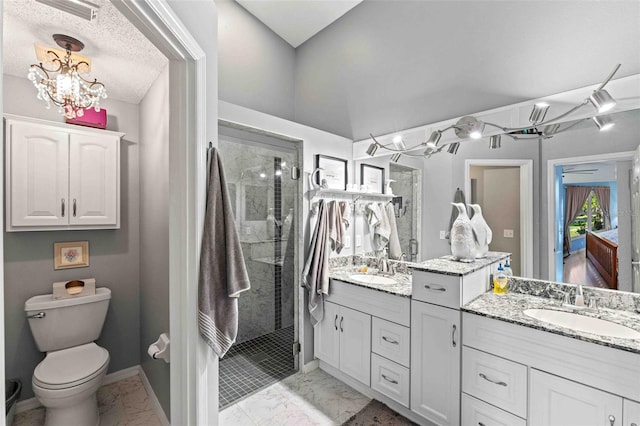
x: 395, y: 382
x: 612, y: 420
x: 453, y: 336
x: 389, y: 340
x: 434, y: 288
x: 62, y: 202
x: 341, y: 319
x: 494, y: 381
x: 74, y: 207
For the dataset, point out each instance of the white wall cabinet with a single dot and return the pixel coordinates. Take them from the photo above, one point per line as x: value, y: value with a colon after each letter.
x: 435, y: 363
x: 555, y: 401
x: 61, y: 176
x: 343, y: 340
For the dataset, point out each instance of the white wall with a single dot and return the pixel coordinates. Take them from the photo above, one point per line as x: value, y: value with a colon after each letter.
x: 256, y: 66
x: 28, y: 256
x: 154, y: 231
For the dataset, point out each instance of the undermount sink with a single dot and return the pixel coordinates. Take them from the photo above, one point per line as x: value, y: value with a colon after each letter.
x: 372, y: 279
x: 583, y: 323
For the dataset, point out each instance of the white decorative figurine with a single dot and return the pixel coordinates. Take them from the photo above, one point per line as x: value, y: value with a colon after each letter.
x: 463, y: 243
x: 483, y: 233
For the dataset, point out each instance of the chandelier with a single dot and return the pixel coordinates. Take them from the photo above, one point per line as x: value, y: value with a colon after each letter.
x: 68, y: 89
x: 470, y: 128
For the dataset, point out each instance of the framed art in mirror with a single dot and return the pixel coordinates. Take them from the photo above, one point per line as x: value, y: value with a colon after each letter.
x: 333, y: 171
x: 372, y: 178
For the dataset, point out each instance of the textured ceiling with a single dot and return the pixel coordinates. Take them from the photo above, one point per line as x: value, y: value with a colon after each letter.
x: 296, y: 21
x: 123, y: 59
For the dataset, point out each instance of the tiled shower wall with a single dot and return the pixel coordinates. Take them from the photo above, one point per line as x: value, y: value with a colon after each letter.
x: 256, y: 187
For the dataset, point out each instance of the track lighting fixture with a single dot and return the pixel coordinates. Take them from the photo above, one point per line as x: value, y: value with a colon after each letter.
x: 396, y: 157
x: 604, y: 122
x: 470, y: 128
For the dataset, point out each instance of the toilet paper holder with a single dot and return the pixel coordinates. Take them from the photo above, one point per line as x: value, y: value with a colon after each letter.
x: 160, y: 348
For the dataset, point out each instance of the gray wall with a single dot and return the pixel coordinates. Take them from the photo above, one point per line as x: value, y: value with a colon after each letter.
x: 154, y: 232
x: 392, y: 65
x: 114, y: 260
x: 255, y: 66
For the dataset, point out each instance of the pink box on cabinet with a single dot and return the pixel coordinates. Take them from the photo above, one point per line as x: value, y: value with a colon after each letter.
x: 91, y: 118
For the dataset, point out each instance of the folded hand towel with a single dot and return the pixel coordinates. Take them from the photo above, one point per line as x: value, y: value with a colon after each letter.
x: 395, y: 251
x: 315, y: 275
x: 223, y: 275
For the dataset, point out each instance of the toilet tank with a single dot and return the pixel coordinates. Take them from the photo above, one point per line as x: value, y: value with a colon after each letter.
x: 63, y: 323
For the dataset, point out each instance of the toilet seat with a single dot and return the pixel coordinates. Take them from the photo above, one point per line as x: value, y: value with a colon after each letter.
x: 71, y: 367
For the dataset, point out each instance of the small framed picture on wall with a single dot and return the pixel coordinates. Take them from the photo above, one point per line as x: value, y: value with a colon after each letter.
x: 372, y: 178
x: 72, y: 254
x: 333, y: 172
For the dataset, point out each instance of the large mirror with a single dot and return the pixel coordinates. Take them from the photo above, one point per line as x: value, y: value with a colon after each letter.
x: 582, y: 156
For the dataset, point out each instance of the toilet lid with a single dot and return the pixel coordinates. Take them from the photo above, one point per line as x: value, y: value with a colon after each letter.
x: 72, y: 366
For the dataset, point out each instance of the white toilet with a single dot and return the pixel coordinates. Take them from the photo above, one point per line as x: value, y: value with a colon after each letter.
x: 66, y: 381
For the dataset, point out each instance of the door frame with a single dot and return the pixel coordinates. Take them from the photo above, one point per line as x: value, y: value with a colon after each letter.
x: 193, y: 368
x: 526, y: 203
x: 552, y: 228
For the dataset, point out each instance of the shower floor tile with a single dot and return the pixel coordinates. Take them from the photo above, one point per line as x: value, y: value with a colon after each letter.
x: 255, y: 364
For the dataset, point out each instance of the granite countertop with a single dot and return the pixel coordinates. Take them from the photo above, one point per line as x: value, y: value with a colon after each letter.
x: 447, y: 266
x: 510, y: 307
x: 402, y: 286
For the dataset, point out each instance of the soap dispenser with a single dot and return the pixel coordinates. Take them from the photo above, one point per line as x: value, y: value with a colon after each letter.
x: 507, y: 268
x: 500, y: 281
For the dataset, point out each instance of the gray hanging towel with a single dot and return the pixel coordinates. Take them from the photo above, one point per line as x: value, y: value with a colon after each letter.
x: 457, y: 198
x: 223, y: 275
x: 315, y: 274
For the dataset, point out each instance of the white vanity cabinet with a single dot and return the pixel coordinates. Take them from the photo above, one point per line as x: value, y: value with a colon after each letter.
x: 630, y: 413
x: 60, y: 176
x: 365, y: 335
x: 547, y: 379
x: 436, y: 341
x: 343, y: 340
x: 556, y: 401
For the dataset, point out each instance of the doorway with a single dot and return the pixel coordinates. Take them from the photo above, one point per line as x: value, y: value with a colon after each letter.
x: 494, y: 184
x: 265, y: 197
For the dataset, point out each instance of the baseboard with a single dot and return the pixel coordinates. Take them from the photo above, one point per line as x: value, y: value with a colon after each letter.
x: 31, y: 403
x: 310, y: 366
x: 367, y: 391
x: 153, y: 399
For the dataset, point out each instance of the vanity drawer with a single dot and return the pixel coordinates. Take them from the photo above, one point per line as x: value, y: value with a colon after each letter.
x: 439, y: 289
x: 495, y: 380
x: 373, y: 302
x: 390, y: 340
x: 476, y: 412
x: 390, y: 379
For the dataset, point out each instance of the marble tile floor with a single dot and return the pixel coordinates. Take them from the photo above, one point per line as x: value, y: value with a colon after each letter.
x: 315, y: 398
x: 122, y: 403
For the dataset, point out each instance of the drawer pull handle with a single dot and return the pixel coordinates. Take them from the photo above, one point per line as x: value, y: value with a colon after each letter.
x: 612, y: 420
x: 492, y: 381
x: 335, y: 322
x: 74, y: 207
x: 395, y: 382
x: 387, y: 339
x: 481, y: 424
x: 341, y: 319
x: 62, y: 207
x: 453, y: 336
x: 434, y: 288
x: 634, y: 424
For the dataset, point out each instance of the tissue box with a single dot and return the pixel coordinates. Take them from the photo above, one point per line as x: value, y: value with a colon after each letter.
x: 74, y: 288
x: 91, y: 118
